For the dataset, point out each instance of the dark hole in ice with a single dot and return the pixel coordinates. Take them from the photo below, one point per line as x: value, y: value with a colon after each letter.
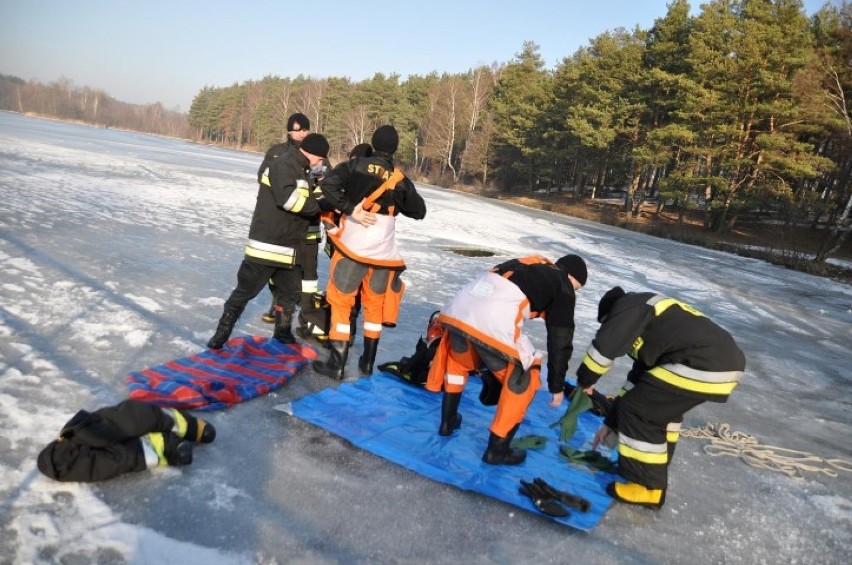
x: 472, y: 252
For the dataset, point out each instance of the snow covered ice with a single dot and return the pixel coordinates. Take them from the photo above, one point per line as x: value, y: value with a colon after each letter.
x: 117, y: 250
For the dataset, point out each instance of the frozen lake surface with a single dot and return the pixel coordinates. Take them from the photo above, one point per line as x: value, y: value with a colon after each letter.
x: 117, y: 250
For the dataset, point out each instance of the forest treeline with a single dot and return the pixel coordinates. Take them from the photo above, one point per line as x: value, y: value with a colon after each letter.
x: 63, y: 99
x: 742, y: 110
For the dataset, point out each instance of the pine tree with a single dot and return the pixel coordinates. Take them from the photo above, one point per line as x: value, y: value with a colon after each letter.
x: 521, y: 98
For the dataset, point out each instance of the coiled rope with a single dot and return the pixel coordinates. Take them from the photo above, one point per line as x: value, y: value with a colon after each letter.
x: 793, y: 463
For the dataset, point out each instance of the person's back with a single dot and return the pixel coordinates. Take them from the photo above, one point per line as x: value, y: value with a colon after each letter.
x: 366, y: 261
x: 385, y: 192
x: 677, y: 335
x: 369, y: 173
x: 672, y: 333
x: 348, y: 186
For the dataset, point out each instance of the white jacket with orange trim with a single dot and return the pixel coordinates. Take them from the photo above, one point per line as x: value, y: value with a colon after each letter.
x: 372, y: 245
x: 491, y: 310
x: 383, y: 189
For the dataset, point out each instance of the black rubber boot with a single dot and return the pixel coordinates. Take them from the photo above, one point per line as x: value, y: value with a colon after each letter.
x: 368, y: 357
x: 177, y: 450
x: 269, y: 317
x: 500, y: 451
x: 335, y: 364
x: 225, y: 327
x: 283, y: 332
x: 306, y: 301
x: 190, y: 427
x: 170, y: 448
x: 450, y: 418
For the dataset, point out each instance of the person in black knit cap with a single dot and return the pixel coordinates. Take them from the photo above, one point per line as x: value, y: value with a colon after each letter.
x: 366, y: 261
x: 277, y: 247
x: 483, y: 326
x: 298, y: 127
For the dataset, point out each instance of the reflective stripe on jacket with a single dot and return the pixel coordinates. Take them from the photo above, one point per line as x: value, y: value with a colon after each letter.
x: 283, y: 213
x: 672, y: 344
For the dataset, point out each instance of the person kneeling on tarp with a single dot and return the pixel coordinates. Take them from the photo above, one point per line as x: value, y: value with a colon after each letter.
x: 483, y: 326
x: 681, y: 359
x: 128, y: 437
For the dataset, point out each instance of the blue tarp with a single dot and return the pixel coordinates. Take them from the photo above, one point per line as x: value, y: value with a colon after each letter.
x: 399, y: 422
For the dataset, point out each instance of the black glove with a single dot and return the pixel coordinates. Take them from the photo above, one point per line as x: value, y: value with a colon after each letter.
x: 542, y: 500
x: 568, y: 499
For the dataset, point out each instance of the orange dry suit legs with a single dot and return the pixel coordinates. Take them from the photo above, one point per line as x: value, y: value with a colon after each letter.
x: 457, y: 356
x: 381, y: 292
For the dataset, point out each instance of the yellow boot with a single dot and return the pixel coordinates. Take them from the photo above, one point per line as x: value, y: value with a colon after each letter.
x: 189, y: 427
x: 633, y: 493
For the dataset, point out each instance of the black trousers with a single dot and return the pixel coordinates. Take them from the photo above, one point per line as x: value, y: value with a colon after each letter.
x: 252, y: 277
x: 99, y: 445
x: 641, y: 417
x: 310, y: 267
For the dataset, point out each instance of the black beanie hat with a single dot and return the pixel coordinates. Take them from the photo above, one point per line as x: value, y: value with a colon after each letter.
x: 608, y: 301
x: 386, y: 140
x: 361, y: 150
x: 315, y: 144
x: 298, y: 118
x: 574, y: 266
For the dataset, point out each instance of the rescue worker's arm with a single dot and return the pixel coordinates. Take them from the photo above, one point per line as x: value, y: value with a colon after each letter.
x: 614, y: 338
x: 559, y: 349
x: 264, y: 165
x: 636, y: 370
x: 364, y: 216
x: 291, y: 191
x: 408, y: 201
x: 601, y: 436
x: 333, y: 188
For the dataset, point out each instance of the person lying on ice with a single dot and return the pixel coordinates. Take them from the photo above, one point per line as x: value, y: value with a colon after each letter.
x: 113, y: 440
x: 681, y: 358
x: 483, y: 326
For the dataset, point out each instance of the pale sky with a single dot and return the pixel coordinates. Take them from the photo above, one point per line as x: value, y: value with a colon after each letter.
x: 144, y: 51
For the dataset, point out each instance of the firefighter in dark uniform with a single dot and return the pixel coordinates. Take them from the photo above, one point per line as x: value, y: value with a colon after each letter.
x: 277, y: 240
x: 298, y: 126
x: 681, y: 358
x: 483, y: 326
